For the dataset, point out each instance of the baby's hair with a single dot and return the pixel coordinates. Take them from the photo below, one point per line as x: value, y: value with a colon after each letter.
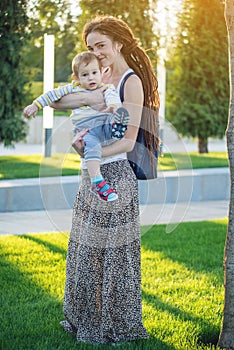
x: 84, y: 57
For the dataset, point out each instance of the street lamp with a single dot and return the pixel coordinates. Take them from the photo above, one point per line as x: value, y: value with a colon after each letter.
x: 48, y: 78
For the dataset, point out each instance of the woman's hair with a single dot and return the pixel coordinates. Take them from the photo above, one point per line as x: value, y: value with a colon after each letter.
x: 137, y: 59
x: 84, y: 57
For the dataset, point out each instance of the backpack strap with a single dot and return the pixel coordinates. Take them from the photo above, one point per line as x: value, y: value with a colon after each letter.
x: 121, y: 89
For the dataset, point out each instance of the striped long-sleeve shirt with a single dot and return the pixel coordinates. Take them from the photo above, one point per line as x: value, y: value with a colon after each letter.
x: 111, y: 97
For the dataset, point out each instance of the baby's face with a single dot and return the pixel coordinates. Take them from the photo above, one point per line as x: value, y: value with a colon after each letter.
x: 90, y: 75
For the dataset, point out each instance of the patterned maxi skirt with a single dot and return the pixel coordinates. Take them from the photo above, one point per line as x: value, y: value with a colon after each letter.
x: 102, y: 302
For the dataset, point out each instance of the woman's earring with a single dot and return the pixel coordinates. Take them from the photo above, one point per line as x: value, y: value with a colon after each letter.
x: 118, y: 49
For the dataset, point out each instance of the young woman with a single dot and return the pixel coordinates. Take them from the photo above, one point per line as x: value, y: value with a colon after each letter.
x: 102, y: 302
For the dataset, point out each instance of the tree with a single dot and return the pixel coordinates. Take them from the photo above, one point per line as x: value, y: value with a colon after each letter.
x: 13, y: 20
x: 226, y: 339
x: 140, y: 20
x: 51, y: 17
x: 197, y: 88
x: 65, y: 50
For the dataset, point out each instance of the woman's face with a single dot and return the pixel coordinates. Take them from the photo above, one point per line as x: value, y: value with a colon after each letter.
x: 104, y: 48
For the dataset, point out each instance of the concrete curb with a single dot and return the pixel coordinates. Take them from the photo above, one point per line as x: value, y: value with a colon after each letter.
x: 22, y: 222
x: 53, y: 193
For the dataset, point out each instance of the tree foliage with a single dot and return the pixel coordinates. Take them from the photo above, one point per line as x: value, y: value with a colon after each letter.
x: 13, y: 20
x: 56, y: 17
x: 198, y: 87
x: 137, y: 14
x: 50, y: 17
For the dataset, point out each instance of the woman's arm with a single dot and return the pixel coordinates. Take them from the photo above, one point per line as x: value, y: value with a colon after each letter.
x: 94, y: 99
x: 133, y: 102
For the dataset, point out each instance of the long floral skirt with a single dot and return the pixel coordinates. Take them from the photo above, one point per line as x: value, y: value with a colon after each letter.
x: 102, y: 302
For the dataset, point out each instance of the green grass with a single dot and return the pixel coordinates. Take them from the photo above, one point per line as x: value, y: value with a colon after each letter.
x: 193, y: 160
x: 182, y: 289
x: 29, y: 166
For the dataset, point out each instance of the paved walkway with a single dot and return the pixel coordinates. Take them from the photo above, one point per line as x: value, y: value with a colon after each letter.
x: 60, y: 220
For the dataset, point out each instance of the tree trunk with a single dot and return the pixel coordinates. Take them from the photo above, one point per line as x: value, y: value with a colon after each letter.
x: 226, y: 338
x: 202, y: 145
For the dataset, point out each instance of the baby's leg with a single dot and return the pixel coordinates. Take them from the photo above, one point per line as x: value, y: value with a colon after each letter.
x: 99, y: 186
x: 93, y: 166
x: 92, y: 153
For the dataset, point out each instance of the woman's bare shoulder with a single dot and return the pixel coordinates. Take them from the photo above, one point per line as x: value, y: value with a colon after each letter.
x: 133, y: 87
x: 134, y: 79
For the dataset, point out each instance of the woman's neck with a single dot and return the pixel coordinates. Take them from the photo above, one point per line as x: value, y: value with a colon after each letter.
x: 113, y: 74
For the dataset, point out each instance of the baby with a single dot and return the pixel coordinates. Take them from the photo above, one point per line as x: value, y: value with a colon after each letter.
x: 103, y: 126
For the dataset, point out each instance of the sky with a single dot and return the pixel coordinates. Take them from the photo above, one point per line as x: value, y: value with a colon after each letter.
x: 166, y: 13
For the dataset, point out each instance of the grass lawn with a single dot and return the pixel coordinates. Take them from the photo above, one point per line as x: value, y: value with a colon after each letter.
x: 28, y: 166
x: 182, y: 289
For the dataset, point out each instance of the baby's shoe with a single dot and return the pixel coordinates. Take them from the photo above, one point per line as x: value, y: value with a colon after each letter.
x: 120, y: 123
x: 104, y: 192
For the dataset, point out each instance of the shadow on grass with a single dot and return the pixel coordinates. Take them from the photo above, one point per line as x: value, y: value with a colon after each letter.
x: 52, y: 247
x: 33, y: 166
x: 197, y: 245
x: 30, y: 315
x: 210, y: 333
x: 12, y: 166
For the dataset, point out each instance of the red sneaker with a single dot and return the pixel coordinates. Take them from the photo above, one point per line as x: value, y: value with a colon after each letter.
x: 108, y: 195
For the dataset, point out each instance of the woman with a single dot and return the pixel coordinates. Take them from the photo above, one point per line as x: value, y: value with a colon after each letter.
x: 102, y: 302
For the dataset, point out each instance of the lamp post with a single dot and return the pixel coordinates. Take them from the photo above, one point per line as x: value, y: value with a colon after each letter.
x: 48, y: 78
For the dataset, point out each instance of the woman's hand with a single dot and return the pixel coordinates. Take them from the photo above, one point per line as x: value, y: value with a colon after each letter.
x: 78, y: 142
x: 95, y: 99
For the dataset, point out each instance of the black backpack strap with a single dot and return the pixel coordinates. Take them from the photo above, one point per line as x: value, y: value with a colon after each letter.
x: 121, y: 89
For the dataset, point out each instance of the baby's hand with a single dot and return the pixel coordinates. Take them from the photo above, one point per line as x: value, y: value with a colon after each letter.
x: 30, y: 110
